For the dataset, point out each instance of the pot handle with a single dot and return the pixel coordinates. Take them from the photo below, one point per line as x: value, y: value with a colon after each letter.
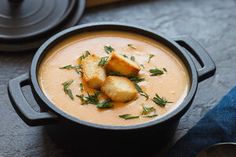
x: 23, y: 108
x: 200, y: 54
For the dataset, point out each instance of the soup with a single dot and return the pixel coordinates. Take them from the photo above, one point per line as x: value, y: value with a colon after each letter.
x: 161, y: 81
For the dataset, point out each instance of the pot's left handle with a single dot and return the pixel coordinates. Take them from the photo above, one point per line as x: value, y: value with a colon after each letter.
x: 23, y: 108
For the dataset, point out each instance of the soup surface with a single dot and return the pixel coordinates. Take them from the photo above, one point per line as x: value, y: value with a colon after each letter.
x: 171, y: 85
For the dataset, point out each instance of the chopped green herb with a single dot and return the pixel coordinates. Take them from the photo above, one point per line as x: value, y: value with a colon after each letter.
x: 165, y: 69
x: 150, y: 116
x: 155, y: 72
x: 66, y: 89
x: 90, y: 99
x: 103, y: 61
x: 132, y: 58
x: 82, y: 99
x: 128, y: 116
x: 160, y: 101
x: 108, y: 49
x: 105, y: 104
x: 141, y: 92
x: 132, y: 46
x: 87, y: 53
x: 150, y: 57
x: 77, y: 68
x: 125, y: 56
x: 148, y: 110
x: 114, y: 73
x: 142, y: 66
x: 71, y: 67
x: 136, y: 79
x: 81, y: 87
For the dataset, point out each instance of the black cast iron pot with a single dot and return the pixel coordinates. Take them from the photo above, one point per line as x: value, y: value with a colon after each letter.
x: 184, y: 47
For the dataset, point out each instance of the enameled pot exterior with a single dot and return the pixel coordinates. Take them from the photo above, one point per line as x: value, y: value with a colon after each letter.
x: 182, y: 46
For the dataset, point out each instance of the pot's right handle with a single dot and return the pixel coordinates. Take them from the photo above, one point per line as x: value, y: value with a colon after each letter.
x: 23, y: 108
x: 207, y: 65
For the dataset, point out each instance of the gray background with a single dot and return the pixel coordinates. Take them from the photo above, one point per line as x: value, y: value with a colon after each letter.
x: 211, y: 22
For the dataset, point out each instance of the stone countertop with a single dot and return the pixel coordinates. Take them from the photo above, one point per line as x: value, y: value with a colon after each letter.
x: 210, y: 22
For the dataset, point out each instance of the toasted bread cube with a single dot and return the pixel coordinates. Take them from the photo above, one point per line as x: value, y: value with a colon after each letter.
x: 119, y: 89
x: 122, y: 65
x: 93, y: 74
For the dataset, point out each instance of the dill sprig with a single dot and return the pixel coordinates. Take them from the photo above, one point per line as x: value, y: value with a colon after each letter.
x: 125, y: 56
x: 155, y: 72
x: 136, y: 79
x: 150, y: 116
x: 77, y: 68
x: 132, y: 58
x: 148, y: 110
x: 86, y: 54
x: 150, y: 57
x: 67, y: 90
x: 105, y: 104
x: 103, y: 61
x: 81, y: 87
x: 128, y: 116
x: 108, y: 49
x: 164, y: 69
x: 140, y: 91
x: 132, y: 46
x: 90, y: 98
x: 161, y: 101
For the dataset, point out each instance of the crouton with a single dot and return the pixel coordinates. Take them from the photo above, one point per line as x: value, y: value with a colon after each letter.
x: 93, y: 74
x: 119, y: 89
x: 122, y: 65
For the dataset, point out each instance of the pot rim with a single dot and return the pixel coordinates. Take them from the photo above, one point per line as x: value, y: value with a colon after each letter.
x: 186, y: 59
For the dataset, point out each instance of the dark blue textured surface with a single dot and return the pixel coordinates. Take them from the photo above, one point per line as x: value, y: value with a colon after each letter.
x: 218, y: 125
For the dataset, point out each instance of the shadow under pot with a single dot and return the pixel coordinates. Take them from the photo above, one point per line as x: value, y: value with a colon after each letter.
x: 198, y: 64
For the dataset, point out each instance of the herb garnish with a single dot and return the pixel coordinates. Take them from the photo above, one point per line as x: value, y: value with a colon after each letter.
x: 164, y: 69
x: 136, y: 79
x: 150, y: 116
x: 155, y: 72
x: 132, y: 58
x: 105, y: 104
x: 114, y: 73
x: 81, y: 87
x: 87, y: 53
x: 141, y: 92
x: 108, y: 49
x: 125, y: 56
x: 69, y: 67
x: 66, y: 89
x: 150, y: 57
x: 103, y: 61
x: 82, y: 99
x: 128, y: 116
x: 90, y: 99
x: 142, y: 66
x: 148, y: 110
x: 132, y: 46
x: 160, y: 101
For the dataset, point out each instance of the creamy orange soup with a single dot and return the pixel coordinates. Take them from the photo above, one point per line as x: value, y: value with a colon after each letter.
x: 172, y: 85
